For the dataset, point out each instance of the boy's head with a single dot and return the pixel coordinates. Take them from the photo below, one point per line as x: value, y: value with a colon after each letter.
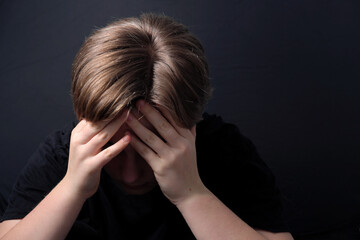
x: 151, y: 57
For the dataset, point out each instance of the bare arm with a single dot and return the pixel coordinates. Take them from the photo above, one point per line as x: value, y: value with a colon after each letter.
x: 210, y: 219
x: 6, y: 225
x: 54, y: 216
x: 51, y: 219
x: 172, y: 156
x: 276, y: 236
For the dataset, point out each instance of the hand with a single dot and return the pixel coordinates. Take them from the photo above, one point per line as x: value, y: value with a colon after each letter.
x: 87, y: 156
x: 171, y: 154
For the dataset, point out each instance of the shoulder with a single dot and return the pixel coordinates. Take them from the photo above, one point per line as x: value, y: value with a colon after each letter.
x: 223, y: 151
x: 54, y: 149
x: 45, y: 168
x: 217, y: 137
x: 59, y: 138
x: 213, y: 124
x: 231, y: 167
x: 51, y: 156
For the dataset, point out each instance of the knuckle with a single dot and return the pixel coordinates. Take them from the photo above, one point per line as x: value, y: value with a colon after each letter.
x: 108, y: 153
x: 163, y: 168
x: 74, y: 132
x: 74, y: 139
x: 93, y: 126
x: 171, y: 156
x: 103, y: 136
x: 167, y: 130
x: 144, y: 151
x: 80, y: 125
x: 171, y: 134
x: 164, y: 126
x: 183, y: 146
x: 149, y: 139
x: 89, y: 167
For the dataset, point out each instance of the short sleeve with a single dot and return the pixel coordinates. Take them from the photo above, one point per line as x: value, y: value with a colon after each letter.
x: 232, y: 169
x: 45, y: 168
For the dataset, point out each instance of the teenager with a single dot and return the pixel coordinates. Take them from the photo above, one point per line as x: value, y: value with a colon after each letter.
x: 143, y: 161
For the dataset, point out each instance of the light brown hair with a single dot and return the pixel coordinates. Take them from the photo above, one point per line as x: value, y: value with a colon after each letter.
x: 150, y: 57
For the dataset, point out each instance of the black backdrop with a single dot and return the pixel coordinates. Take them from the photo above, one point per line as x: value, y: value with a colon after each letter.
x: 286, y: 72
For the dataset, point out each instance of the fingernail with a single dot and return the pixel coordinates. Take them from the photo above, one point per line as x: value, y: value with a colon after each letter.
x: 127, y: 138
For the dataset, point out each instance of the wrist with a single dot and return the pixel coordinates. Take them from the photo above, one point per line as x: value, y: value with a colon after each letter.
x: 67, y: 188
x: 192, y: 200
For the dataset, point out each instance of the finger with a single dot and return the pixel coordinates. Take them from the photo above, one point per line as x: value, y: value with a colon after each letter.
x: 103, y: 136
x: 112, y: 151
x: 145, y: 152
x: 161, y: 124
x: 182, y: 131
x: 147, y: 136
x: 85, y: 130
x: 78, y: 128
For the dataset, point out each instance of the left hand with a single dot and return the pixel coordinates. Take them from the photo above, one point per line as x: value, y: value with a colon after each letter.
x: 171, y: 154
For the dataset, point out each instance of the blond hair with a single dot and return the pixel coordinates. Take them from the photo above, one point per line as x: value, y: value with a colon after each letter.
x: 151, y: 57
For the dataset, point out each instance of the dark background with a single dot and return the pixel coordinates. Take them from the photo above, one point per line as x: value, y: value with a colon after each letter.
x: 286, y: 72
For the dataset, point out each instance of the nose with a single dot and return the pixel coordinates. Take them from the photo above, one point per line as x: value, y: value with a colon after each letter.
x: 131, y: 170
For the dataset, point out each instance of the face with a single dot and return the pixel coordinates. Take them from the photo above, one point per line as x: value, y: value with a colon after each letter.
x: 129, y: 169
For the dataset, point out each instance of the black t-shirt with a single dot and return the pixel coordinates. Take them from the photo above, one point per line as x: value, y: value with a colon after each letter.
x: 228, y: 165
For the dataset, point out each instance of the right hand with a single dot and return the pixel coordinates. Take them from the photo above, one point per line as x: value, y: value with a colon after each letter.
x: 87, y: 156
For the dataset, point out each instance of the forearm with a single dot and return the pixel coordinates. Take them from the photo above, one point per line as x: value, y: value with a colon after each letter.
x: 209, y: 218
x: 52, y: 218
